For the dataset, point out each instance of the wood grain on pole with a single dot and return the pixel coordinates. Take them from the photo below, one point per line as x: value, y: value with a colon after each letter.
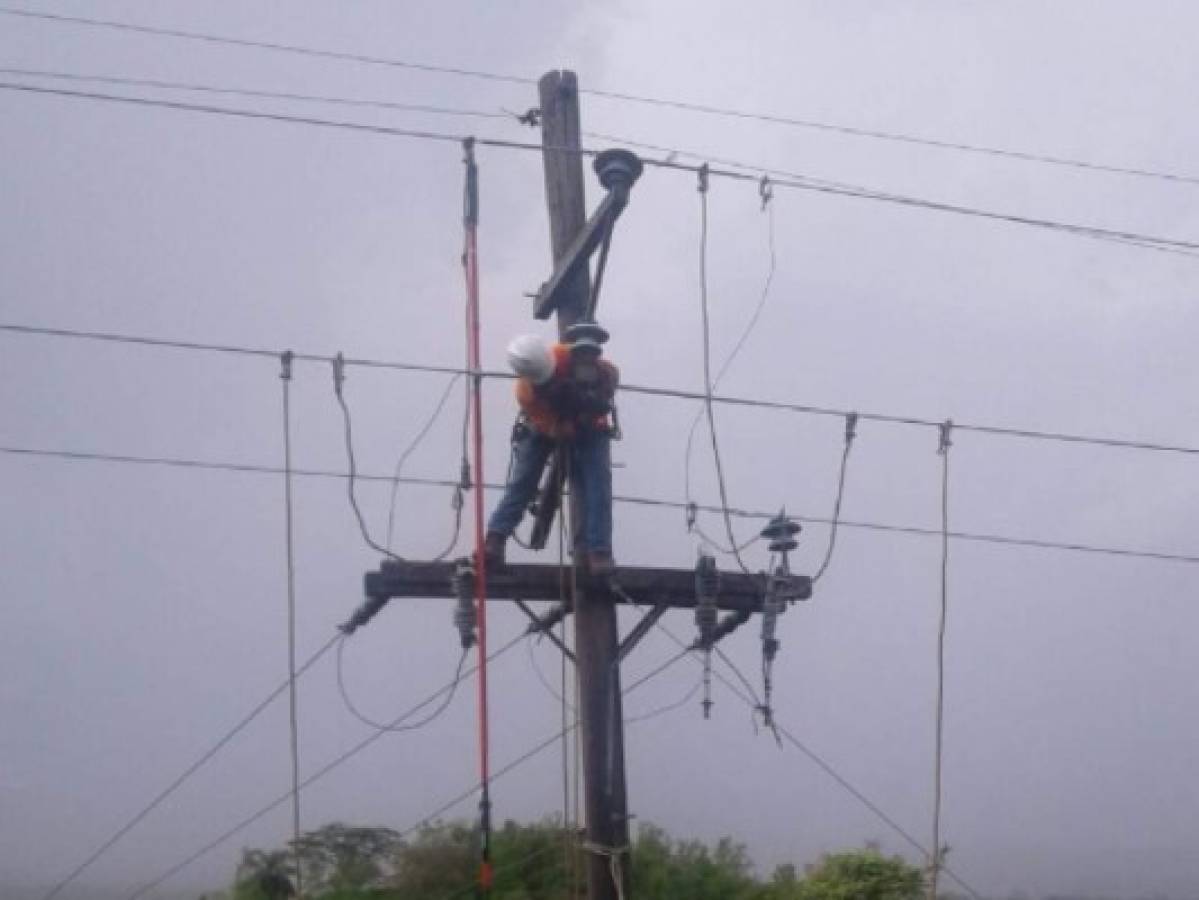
x: 596, y: 635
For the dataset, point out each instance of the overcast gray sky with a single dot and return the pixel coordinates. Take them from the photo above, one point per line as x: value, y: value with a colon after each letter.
x: 145, y: 608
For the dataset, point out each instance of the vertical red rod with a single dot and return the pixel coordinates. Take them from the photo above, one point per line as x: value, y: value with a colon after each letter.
x: 470, y: 261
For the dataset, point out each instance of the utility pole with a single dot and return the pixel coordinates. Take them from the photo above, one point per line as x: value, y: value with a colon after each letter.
x: 599, y: 647
x: 596, y: 635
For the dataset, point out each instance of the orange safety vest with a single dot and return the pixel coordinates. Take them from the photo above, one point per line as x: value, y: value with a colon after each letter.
x: 537, y: 401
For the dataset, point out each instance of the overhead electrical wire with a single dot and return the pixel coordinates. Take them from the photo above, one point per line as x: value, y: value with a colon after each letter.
x: 186, y: 774
x: 915, y: 530
x: 366, y: 720
x: 620, y: 96
x: 352, y: 476
x: 315, y: 776
x: 746, y: 331
x: 647, y: 390
x: 159, y: 84
x: 800, y: 180
x: 750, y: 700
x: 366, y: 742
x: 421, y: 434
x: 1128, y: 238
x: 707, y: 357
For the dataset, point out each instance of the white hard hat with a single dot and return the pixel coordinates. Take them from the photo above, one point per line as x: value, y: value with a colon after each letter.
x: 530, y: 357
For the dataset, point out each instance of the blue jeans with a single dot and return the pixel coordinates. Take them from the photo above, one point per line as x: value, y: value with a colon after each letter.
x: 590, y: 462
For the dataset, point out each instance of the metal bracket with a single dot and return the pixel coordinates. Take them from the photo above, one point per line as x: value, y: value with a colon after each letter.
x: 618, y: 170
x: 544, y: 624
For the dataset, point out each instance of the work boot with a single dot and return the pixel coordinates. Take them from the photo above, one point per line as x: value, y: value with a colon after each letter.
x: 599, y: 563
x: 493, y: 550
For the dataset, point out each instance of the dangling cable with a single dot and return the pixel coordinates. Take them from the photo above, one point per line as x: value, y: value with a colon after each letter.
x: 936, y: 848
x: 470, y: 261
x: 394, y: 727
x: 285, y: 361
x: 408, y: 451
x: 339, y: 378
x: 851, y: 432
x: 766, y: 193
x: 703, y: 293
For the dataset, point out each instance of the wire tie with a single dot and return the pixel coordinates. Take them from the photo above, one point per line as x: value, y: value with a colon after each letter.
x: 285, y: 360
x: 851, y: 427
x: 692, y: 515
x: 339, y: 372
x: 702, y: 172
x: 530, y: 117
x: 765, y: 191
x: 946, y: 442
x: 464, y: 477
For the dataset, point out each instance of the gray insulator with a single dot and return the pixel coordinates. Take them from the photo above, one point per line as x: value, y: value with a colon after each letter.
x: 465, y: 620
x: 465, y: 616
x: 707, y: 587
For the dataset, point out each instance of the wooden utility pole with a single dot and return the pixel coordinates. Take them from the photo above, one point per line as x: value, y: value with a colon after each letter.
x: 598, y: 647
x: 596, y: 636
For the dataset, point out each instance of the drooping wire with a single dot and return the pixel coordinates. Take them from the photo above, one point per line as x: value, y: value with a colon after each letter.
x: 457, y: 502
x: 320, y: 773
x: 936, y: 859
x: 707, y: 348
x: 851, y: 424
x: 187, y: 773
x: 842, y: 781
x: 394, y: 728
x: 339, y: 377
x: 285, y: 360
x: 558, y: 695
x: 766, y: 194
x: 669, y: 707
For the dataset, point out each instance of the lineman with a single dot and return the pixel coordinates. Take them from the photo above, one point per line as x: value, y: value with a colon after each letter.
x: 565, y: 392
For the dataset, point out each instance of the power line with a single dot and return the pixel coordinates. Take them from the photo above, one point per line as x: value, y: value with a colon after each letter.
x: 751, y: 402
x: 367, y: 741
x: 1128, y: 238
x: 186, y: 774
x: 632, y: 500
x: 800, y: 181
x: 159, y: 84
x: 315, y: 776
x: 682, y: 105
x: 751, y: 701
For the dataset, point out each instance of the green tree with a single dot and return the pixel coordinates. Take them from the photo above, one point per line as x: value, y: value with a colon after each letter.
x: 852, y: 875
x: 689, y: 870
x: 344, y: 858
x: 263, y: 875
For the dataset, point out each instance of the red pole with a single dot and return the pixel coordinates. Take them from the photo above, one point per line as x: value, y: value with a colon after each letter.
x: 470, y: 261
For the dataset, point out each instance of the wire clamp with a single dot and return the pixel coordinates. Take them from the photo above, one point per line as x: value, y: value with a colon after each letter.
x: 765, y: 191
x: 946, y: 441
x: 339, y: 372
x: 285, y: 361
x: 702, y: 172
x: 851, y: 427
